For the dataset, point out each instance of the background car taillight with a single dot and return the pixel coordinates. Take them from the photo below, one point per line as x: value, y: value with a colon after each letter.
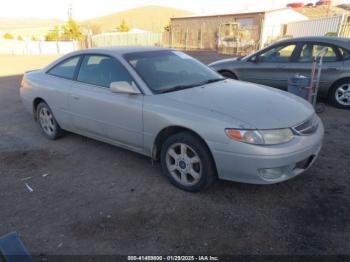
x: 22, y: 83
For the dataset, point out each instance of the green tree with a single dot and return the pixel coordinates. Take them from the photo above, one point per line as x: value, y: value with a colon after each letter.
x: 20, y: 38
x: 54, y: 35
x: 123, y: 27
x: 71, y: 31
x: 34, y: 38
x: 167, y: 27
x: 8, y: 36
x: 333, y: 34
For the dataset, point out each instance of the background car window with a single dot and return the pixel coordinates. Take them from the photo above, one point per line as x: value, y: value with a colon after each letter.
x: 102, y: 71
x: 278, y: 54
x: 344, y: 53
x: 65, y: 69
x: 310, y: 50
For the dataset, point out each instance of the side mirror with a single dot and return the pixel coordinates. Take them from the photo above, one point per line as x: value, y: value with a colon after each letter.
x: 255, y: 59
x: 123, y: 87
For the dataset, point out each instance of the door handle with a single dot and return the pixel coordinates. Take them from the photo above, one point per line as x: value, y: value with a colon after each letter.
x: 76, y: 97
x: 332, y: 68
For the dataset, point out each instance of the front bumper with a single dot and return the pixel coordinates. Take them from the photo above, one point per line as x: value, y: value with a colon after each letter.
x: 268, y: 164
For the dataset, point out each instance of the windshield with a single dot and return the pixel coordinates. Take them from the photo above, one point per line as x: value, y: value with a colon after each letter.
x: 166, y: 70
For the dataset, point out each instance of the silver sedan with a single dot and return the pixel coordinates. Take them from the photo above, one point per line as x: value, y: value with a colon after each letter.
x: 275, y: 64
x: 166, y: 105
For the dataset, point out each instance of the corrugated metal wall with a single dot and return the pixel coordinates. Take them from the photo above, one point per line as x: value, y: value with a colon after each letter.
x: 124, y: 39
x: 315, y: 27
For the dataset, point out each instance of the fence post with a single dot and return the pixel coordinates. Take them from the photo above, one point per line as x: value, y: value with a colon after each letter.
x: 340, y: 25
x: 171, y: 37
x: 186, y: 39
x: 201, y: 44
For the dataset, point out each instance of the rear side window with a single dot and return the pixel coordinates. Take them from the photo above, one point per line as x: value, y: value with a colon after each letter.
x: 102, y: 71
x: 65, y: 69
x: 344, y: 53
x: 310, y: 50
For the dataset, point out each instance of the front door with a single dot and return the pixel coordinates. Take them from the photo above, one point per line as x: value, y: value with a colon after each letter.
x: 271, y: 67
x: 98, y: 111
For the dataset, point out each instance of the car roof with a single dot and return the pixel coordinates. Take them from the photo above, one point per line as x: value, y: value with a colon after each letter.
x: 343, y: 42
x: 119, y: 50
x: 112, y: 51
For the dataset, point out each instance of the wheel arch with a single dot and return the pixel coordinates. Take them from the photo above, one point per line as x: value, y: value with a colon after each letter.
x: 228, y: 71
x: 172, y: 130
x: 36, y: 102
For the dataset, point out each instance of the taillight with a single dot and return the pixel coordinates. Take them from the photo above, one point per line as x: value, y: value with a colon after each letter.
x: 22, y: 83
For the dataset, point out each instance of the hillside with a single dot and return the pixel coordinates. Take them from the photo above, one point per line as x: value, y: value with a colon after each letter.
x: 27, y: 26
x: 150, y: 18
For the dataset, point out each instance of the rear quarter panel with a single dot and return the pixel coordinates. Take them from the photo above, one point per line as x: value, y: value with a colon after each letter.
x: 53, y: 90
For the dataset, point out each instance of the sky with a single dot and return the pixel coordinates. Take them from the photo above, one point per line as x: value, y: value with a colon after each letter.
x: 84, y: 9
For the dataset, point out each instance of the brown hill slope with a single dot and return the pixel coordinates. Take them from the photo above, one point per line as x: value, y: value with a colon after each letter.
x: 27, y: 26
x: 16, y: 23
x: 150, y: 18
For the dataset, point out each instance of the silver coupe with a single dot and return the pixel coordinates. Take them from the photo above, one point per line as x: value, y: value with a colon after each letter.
x: 166, y: 105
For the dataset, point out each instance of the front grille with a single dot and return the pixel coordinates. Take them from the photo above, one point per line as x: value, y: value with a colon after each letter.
x: 308, y: 127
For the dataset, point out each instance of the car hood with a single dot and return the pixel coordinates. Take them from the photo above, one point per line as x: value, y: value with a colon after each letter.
x: 260, y: 106
x: 224, y: 61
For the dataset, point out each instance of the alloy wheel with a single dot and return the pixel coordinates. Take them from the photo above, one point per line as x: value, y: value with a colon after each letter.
x: 342, y: 94
x: 184, y: 164
x: 46, y: 121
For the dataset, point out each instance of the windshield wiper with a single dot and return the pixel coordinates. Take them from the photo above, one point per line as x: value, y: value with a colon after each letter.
x: 177, y: 88
x: 213, y: 80
x: 182, y: 87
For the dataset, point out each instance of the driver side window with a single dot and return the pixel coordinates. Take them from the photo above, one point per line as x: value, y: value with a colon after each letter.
x: 102, y: 70
x: 278, y: 54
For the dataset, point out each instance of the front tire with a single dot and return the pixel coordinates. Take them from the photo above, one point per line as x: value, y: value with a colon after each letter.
x: 187, y: 162
x: 47, y: 122
x: 228, y: 74
x: 339, y: 94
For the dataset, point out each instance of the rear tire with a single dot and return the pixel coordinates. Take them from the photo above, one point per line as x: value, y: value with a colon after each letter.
x: 228, y: 74
x: 47, y: 122
x: 187, y: 162
x: 339, y: 94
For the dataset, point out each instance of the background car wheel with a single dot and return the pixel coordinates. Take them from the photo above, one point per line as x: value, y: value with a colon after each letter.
x: 228, y: 74
x: 187, y: 162
x: 47, y: 122
x: 339, y: 94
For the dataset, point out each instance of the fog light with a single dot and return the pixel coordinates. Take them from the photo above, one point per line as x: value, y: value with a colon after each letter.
x: 272, y: 173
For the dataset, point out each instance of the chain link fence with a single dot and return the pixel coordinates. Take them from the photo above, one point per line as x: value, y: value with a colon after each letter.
x: 127, y: 39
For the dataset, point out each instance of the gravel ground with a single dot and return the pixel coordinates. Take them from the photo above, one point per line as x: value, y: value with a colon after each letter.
x: 93, y: 198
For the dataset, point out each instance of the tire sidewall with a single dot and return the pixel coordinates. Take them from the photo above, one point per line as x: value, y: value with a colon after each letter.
x: 228, y: 75
x: 57, y: 130
x: 207, y: 172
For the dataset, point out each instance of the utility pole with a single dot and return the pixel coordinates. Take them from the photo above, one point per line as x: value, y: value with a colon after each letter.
x: 70, y: 10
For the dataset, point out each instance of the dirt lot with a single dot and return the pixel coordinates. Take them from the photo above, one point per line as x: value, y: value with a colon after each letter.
x: 93, y: 198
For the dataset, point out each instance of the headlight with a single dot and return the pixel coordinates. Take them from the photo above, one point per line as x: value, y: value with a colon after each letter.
x: 261, y: 137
